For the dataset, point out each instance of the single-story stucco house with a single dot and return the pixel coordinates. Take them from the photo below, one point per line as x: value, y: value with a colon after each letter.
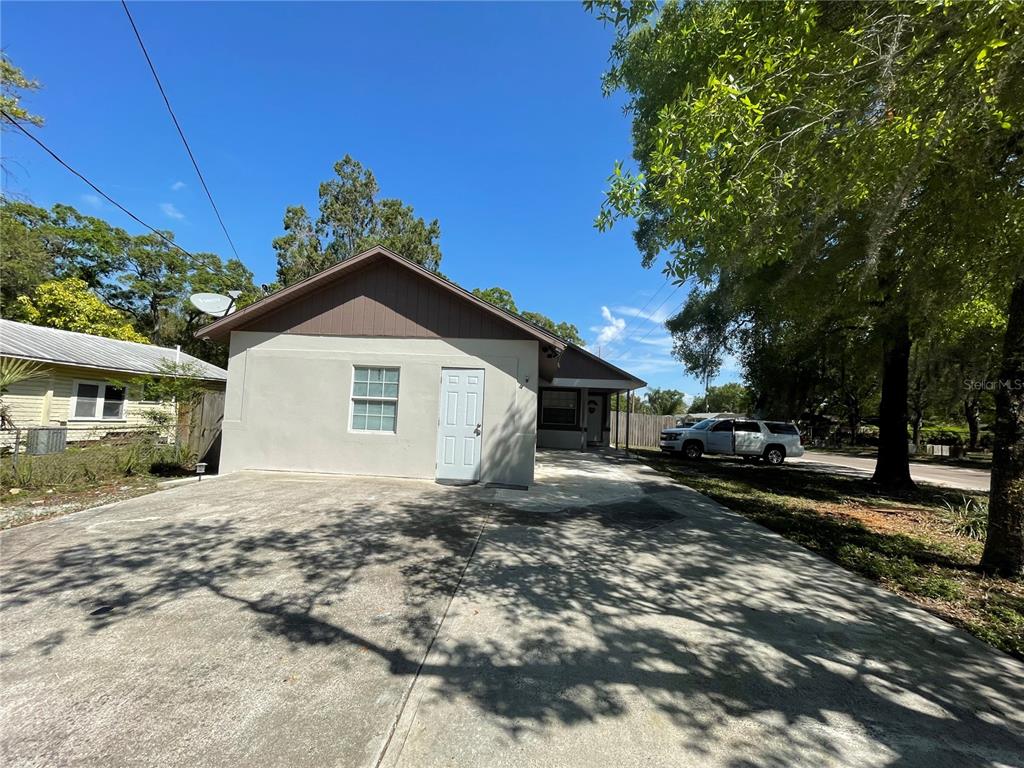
x: 90, y: 383
x: 378, y: 366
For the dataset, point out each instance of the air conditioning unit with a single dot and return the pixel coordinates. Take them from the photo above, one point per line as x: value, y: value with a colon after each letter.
x: 42, y: 440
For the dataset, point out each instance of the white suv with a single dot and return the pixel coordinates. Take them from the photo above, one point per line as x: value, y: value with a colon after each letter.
x: 772, y: 441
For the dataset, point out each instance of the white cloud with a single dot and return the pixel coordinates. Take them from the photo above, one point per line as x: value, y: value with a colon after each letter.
x: 93, y: 201
x: 177, y: 186
x: 658, y: 315
x: 171, y: 212
x: 611, y: 330
x: 663, y: 341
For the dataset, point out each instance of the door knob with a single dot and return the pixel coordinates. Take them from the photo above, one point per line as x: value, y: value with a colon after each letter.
x: 478, y: 429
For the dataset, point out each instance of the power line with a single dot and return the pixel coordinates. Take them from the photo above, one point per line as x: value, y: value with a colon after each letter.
x: 177, y: 125
x: 96, y: 189
x: 629, y: 322
x: 655, y: 313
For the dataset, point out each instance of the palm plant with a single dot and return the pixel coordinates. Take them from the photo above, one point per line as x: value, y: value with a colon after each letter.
x: 12, y: 371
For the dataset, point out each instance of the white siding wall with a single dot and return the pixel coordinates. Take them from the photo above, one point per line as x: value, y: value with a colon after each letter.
x: 289, y: 398
x: 46, y: 401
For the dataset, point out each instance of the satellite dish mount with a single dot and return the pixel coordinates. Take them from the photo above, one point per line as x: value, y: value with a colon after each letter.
x: 214, y: 304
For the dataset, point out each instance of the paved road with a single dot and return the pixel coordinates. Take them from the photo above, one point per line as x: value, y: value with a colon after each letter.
x: 608, y: 617
x: 936, y: 474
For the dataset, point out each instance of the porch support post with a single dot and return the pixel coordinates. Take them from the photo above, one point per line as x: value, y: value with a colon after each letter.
x: 629, y: 409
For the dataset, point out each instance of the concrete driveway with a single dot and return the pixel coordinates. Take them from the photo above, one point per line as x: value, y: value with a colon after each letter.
x: 607, y: 618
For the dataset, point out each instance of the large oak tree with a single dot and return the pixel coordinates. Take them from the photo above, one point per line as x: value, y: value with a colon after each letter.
x: 870, y: 151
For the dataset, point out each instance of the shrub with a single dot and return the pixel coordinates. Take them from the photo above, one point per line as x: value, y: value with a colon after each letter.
x: 969, y: 518
x: 945, y: 434
x: 105, y: 461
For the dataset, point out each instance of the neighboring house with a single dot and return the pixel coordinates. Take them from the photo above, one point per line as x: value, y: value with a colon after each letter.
x: 378, y: 366
x: 91, y: 383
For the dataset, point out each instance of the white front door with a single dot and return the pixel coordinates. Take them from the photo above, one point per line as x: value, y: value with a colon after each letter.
x: 460, y: 427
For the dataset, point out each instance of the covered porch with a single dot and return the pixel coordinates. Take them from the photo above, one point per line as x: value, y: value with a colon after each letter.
x: 574, y: 400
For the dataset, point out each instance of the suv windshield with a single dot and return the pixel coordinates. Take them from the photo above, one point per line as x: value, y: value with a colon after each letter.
x: 703, y: 424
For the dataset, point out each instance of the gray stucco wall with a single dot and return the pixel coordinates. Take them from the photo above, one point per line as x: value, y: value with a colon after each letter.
x: 289, y: 398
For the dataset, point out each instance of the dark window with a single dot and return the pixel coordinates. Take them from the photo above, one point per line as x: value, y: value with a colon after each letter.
x: 723, y: 426
x: 748, y: 426
x: 558, y: 408
x: 781, y: 428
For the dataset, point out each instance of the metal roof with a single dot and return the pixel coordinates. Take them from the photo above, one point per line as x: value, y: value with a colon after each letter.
x: 52, y: 345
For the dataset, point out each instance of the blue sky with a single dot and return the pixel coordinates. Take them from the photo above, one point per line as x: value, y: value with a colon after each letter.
x: 488, y: 117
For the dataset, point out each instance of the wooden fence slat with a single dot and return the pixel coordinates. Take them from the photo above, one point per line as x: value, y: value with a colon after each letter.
x: 644, y: 428
x: 204, y: 420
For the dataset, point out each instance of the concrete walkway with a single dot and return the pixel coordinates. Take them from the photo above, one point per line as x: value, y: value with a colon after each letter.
x: 607, y: 618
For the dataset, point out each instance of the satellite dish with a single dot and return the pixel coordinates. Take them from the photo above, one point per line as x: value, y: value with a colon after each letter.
x: 212, y: 303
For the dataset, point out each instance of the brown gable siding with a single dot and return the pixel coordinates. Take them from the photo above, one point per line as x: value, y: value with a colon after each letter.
x: 579, y: 365
x: 385, y: 299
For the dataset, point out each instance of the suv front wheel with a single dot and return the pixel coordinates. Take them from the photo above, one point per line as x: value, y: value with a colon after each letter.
x: 692, y: 450
x: 775, y: 455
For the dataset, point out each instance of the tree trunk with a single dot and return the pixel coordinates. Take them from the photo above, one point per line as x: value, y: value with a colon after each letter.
x: 971, y: 414
x: 892, y: 468
x: 1004, y: 543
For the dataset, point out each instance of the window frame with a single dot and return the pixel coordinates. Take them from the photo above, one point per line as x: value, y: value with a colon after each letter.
x: 541, y: 424
x: 101, y: 400
x: 353, y: 398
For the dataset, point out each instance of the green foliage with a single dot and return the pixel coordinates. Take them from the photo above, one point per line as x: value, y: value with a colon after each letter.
x: 179, y: 382
x: 13, y: 371
x: 24, y: 262
x: 13, y: 86
x: 834, y: 175
x: 107, y: 461
x: 352, y: 219
x: 732, y: 397
x: 665, y: 402
x: 619, y: 402
x: 142, y: 276
x: 499, y: 297
x: 71, y: 306
x: 944, y: 434
x: 968, y: 517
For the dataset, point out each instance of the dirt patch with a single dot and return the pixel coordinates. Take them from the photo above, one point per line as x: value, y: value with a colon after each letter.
x: 18, y: 510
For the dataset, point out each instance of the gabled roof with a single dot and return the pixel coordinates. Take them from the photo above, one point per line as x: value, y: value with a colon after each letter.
x: 52, y: 345
x: 222, y: 327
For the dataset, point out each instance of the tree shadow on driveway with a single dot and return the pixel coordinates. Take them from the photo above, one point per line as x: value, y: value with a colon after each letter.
x: 665, y: 629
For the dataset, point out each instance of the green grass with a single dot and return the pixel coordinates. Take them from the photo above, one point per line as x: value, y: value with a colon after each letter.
x: 922, y: 544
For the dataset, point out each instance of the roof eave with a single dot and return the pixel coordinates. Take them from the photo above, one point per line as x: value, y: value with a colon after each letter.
x: 74, y: 364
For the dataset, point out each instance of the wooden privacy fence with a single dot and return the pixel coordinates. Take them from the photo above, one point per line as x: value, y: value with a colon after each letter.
x: 200, y: 425
x: 644, y: 429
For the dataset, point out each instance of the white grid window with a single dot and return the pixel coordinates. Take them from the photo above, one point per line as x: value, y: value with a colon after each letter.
x: 374, y: 399
x: 97, y: 401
